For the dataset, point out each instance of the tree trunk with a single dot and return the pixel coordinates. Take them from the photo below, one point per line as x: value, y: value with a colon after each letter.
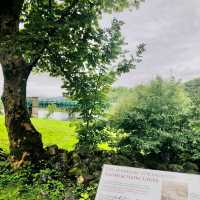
x: 23, y: 137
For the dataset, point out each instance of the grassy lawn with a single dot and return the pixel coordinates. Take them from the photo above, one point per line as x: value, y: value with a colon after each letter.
x: 53, y: 132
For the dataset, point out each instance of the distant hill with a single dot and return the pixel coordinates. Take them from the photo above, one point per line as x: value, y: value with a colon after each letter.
x: 53, y: 99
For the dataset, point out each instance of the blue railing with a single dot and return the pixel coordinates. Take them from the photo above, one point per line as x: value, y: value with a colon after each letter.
x: 62, y: 104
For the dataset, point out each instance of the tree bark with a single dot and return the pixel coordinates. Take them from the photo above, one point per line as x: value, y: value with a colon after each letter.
x: 23, y: 137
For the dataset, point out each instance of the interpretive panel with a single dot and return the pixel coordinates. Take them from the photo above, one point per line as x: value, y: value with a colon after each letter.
x: 127, y: 183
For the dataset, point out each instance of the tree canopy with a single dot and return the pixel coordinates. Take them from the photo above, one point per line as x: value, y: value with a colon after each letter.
x: 62, y: 36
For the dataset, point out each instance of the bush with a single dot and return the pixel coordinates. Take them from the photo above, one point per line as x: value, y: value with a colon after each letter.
x: 161, y: 105
x: 159, y: 121
x: 99, y: 135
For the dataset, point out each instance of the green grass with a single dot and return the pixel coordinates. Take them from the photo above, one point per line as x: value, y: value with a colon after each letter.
x: 53, y: 132
x: 12, y: 191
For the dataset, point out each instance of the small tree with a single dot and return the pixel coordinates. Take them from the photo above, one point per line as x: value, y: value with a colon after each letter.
x: 91, y: 90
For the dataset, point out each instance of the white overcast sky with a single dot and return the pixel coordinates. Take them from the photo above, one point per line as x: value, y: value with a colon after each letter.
x: 171, y: 31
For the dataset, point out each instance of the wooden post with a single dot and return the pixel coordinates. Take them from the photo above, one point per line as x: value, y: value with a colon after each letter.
x: 35, y: 106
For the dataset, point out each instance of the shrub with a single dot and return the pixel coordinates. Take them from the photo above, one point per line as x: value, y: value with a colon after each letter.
x: 161, y: 105
x: 159, y: 121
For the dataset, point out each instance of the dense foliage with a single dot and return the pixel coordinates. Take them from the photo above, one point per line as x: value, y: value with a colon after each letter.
x: 159, y: 119
x: 161, y: 105
x: 193, y: 89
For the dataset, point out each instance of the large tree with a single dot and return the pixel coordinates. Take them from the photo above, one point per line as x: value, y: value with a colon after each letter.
x: 62, y: 37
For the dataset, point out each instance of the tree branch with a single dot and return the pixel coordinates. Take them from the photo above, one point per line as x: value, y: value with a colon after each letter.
x: 11, y: 7
x: 50, y: 6
x: 66, y: 12
x: 36, y: 59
